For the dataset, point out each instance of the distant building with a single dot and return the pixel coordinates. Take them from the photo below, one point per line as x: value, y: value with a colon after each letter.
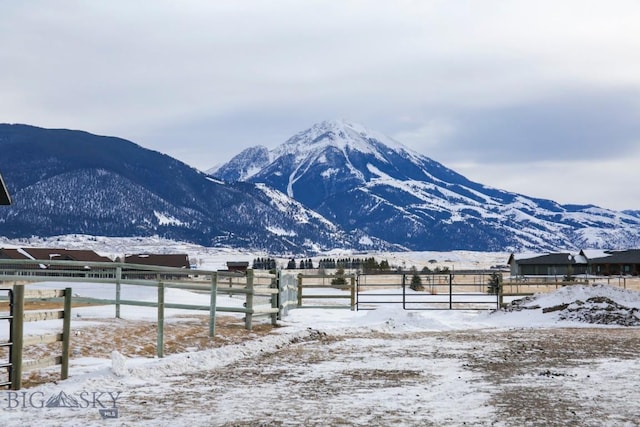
x: 64, y: 254
x: 593, y: 262
x: 162, y: 260
x: 15, y: 254
x: 614, y: 263
x: 42, y: 255
x: 553, y: 264
x: 178, y: 261
x: 238, y: 266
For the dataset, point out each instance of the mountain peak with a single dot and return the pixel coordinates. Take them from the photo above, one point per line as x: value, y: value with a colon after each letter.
x: 342, y: 134
x: 341, y: 125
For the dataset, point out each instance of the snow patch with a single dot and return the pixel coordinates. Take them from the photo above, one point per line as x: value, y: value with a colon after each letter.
x: 166, y: 219
x: 280, y: 231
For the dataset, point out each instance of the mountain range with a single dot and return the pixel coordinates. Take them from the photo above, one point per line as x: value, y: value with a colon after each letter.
x: 336, y: 185
x: 72, y: 182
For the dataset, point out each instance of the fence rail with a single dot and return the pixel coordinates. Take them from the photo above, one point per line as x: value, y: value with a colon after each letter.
x: 18, y: 342
x: 430, y: 291
x: 331, y: 290
x: 259, y: 290
x: 261, y: 294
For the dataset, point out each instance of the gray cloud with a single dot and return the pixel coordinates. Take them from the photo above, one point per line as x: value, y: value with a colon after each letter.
x: 569, y: 126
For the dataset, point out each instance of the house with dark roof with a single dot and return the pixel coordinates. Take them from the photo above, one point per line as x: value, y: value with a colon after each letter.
x: 237, y: 266
x: 593, y: 262
x: 615, y: 263
x: 552, y: 264
x: 64, y: 254
x: 162, y: 260
x: 14, y: 254
x: 159, y: 260
x: 42, y: 255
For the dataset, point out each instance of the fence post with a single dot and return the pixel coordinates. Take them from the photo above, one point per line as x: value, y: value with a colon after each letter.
x: 275, y: 297
x: 160, y: 344
x: 118, y: 278
x: 357, y: 291
x: 299, y: 290
x: 249, y: 302
x: 450, y: 291
x: 404, y: 291
x: 212, y: 304
x: 17, y: 310
x: 66, y: 334
x: 353, y: 293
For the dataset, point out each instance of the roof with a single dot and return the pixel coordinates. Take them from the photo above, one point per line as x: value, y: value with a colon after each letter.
x: 5, y: 199
x: 6, y: 253
x: 163, y: 260
x: 241, y: 266
x: 631, y: 256
x: 560, y: 258
x: 594, y: 253
x: 63, y: 254
x: 237, y: 263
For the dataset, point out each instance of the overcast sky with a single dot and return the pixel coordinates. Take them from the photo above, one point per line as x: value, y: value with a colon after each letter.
x: 537, y: 97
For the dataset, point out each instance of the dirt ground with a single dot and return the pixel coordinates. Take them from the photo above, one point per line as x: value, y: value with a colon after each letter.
x: 522, y: 377
x: 542, y: 377
x: 518, y: 377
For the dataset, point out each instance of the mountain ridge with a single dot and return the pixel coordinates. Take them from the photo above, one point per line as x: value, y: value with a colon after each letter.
x: 73, y: 182
x: 335, y: 185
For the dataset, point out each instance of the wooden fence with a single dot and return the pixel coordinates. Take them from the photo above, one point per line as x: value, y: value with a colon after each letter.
x: 6, y: 347
x: 250, y: 286
x: 18, y: 341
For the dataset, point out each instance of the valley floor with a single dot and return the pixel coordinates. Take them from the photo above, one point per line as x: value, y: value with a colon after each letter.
x: 378, y: 376
x: 556, y: 359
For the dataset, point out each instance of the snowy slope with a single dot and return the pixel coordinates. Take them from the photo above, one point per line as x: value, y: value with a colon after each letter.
x: 72, y: 182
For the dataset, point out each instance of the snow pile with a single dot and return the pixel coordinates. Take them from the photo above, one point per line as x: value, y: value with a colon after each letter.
x: 118, y: 364
x: 595, y: 304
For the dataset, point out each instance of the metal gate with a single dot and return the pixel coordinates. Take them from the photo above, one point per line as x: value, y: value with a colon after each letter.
x: 465, y: 290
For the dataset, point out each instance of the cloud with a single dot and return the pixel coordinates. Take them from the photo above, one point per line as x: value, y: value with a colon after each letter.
x: 569, y: 126
x: 493, y: 81
x: 604, y: 183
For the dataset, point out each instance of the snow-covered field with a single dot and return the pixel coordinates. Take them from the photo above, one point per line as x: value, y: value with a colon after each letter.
x: 216, y: 258
x: 540, y: 363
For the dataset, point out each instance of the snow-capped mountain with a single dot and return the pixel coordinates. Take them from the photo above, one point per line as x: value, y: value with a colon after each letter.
x: 72, y: 182
x: 366, y: 182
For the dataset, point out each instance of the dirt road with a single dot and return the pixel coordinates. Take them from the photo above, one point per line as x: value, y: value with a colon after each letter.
x: 537, y: 377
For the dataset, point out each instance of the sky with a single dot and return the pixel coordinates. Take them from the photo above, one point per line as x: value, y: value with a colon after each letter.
x: 536, y: 97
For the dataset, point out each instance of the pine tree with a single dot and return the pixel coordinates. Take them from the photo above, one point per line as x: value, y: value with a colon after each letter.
x: 416, y: 280
x: 495, y: 283
x: 339, y: 280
